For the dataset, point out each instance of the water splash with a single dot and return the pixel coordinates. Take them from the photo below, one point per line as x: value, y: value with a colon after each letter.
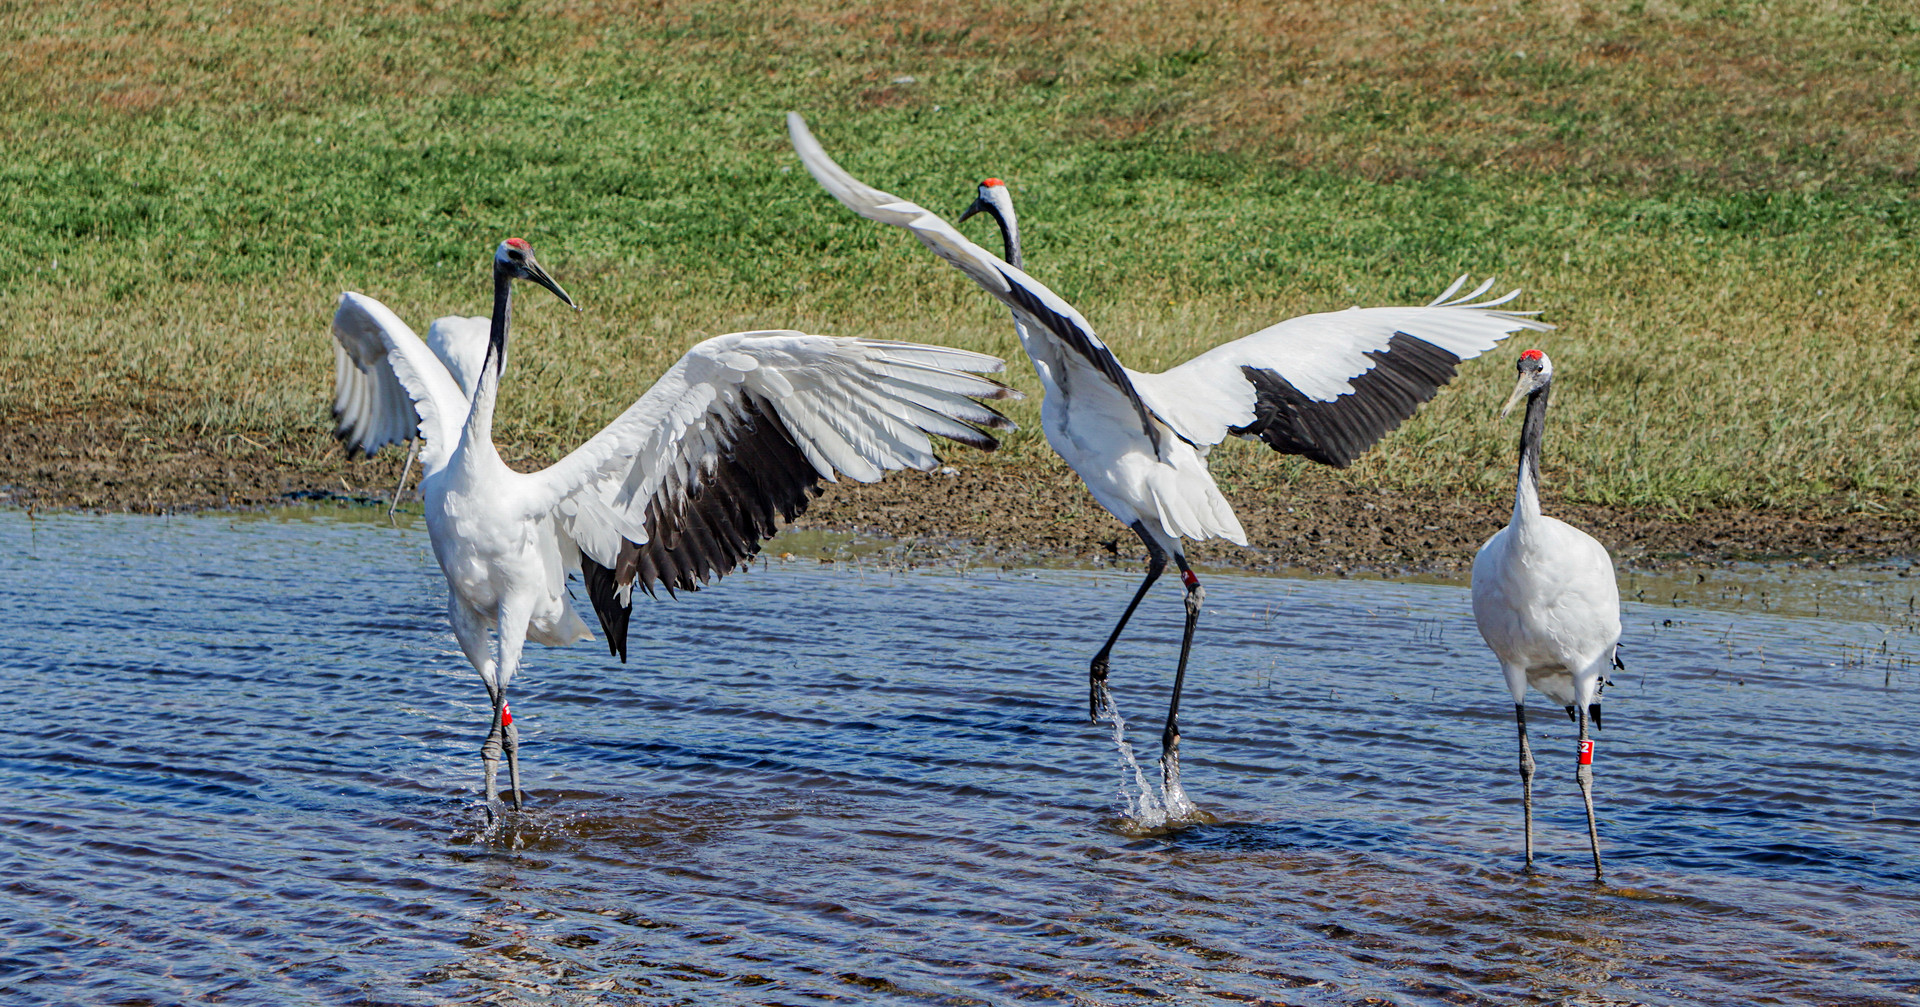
x: 1173, y: 798
x: 1142, y: 810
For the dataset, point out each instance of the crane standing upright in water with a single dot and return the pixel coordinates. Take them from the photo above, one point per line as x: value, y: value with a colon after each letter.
x: 680, y: 487
x: 1325, y: 386
x: 1546, y: 602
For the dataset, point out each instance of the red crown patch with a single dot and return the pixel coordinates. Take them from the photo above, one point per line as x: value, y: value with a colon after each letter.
x: 991, y: 182
x: 1532, y: 355
x: 519, y: 243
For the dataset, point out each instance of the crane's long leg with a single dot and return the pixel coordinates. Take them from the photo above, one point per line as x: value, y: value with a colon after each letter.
x: 503, y: 736
x: 1170, y: 736
x: 490, y: 752
x: 1585, y: 775
x: 1526, y: 777
x: 1097, y: 672
x: 470, y: 628
x: 513, y: 637
x: 513, y: 751
x: 413, y: 445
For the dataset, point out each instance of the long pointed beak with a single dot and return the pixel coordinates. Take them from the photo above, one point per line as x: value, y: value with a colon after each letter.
x: 1520, y: 390
x: 538, y: 274
x: 979, y: 205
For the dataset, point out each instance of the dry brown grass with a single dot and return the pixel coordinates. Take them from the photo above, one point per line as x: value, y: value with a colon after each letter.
x: 1797, y: 94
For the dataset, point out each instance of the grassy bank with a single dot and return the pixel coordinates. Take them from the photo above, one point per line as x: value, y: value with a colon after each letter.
x: 1715, y: 203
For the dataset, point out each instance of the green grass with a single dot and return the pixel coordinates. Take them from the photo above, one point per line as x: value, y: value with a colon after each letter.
x: 1715, y: 203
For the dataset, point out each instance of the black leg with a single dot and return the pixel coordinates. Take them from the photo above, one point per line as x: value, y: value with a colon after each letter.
x: 512, y: 737
x: 1170, y: 736
x: 1584, y: 774
x: 1097, y: 672
x: 490, y: 754
x: 1526, y: 777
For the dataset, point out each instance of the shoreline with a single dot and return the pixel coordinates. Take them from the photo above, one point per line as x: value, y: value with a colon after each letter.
x: 1030, y: 507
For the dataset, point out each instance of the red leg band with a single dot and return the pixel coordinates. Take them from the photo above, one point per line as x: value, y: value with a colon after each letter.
x: 1189, y: 579
x: 1586, y: 752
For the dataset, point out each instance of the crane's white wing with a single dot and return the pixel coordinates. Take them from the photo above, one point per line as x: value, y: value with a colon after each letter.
x: 1090, y: 364
x: 1329, y: 385
x: 740, y: 431
x: 388, y: 387
x: 461, y: 344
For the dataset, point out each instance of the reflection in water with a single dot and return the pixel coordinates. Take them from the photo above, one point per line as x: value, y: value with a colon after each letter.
x: 239, y: 778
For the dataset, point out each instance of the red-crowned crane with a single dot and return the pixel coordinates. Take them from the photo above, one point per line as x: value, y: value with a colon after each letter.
x: 1547, y: 604
x: 1326, y: 386
x: 681, y: 487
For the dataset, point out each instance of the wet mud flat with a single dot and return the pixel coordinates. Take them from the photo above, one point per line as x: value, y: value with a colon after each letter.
x: 1028, y: 510
x: 245, y: 770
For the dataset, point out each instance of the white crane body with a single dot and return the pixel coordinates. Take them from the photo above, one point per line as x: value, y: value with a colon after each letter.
x: 1538, y: 585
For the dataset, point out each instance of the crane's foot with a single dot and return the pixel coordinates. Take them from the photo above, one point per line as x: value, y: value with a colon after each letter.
x: 1179, y: 807
x: 1099, y: 700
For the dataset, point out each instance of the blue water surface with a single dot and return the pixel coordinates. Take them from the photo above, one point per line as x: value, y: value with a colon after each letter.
x: 243, y: 769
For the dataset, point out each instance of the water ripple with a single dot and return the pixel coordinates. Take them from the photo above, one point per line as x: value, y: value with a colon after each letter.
x: 240, y: 779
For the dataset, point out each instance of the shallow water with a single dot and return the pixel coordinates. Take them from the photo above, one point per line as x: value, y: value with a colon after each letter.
x: 244, y: 770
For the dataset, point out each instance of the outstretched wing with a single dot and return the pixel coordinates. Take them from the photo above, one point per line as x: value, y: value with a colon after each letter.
x: 1088, y: 370
x: 1327, y: 386
x: 388, y: 387
x: 737, y: 435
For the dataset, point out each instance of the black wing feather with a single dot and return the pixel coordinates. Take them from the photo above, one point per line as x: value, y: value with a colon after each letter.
x: 760, y: 478
x: 1409, y: 372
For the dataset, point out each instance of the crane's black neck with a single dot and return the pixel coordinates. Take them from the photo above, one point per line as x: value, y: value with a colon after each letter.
x: 497, y: 335
x: 478, y: 435
x: 1009, y: 232
x: 1527, y: 493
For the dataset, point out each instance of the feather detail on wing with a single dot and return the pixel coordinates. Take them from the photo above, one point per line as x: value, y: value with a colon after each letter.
x: 1328, y: 385
x: 737, y: 436
x: 1032, y: 303
x: 389, y: 387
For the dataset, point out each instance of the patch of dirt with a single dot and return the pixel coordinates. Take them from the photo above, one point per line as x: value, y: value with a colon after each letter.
x: 1018, y: 509
x: 1325, y: 527
x: 111, y: 464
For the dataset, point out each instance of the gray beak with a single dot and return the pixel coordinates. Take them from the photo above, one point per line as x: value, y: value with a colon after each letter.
x: 538, y: 274
x: 1520, y: 391
x: 979, y: 204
